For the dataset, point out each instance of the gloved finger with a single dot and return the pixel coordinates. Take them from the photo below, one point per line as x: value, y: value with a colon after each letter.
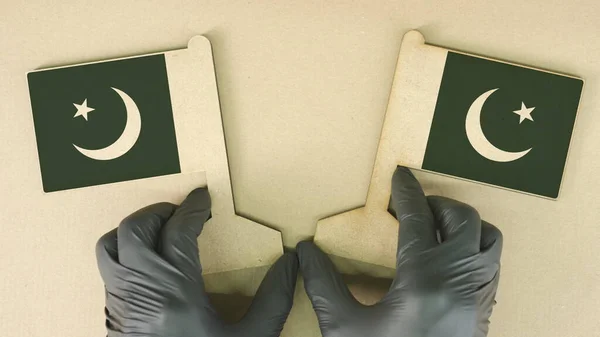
x: 179, y: 237
x: 417, y: 230
x: 458, y: 223
x: 489, y: 276
x: 107, y: 257
x: 491, y: 248
x: 127, y: 315
x: 491, y: 239
x: 486, y: 302
x: 117, y: 278
x: 108, y: 264
x: 138, y: 234
x: 114, y: 312
x: 326, y: 290
x: 273, y: 301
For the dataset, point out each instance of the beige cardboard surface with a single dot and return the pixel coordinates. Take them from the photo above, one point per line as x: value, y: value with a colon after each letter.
x: 303, y: 89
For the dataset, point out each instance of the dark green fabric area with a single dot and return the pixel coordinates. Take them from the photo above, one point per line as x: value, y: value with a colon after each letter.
x: 53, y: 93
x: 555, y: 99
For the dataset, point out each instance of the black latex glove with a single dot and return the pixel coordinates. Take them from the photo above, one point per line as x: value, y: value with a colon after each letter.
x: 153, y: 278
x: 442, y: 289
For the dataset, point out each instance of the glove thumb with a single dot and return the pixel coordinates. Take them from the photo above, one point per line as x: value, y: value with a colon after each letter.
x: 179, y: 236
x: 273, y: 301
x: 330, y: 297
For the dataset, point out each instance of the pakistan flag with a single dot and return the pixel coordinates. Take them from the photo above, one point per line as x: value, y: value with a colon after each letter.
x: 103, y: 122
x: 502, y: 124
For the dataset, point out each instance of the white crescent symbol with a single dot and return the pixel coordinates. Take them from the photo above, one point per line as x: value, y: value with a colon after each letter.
x: 127, y: 139
x: 478, y: 140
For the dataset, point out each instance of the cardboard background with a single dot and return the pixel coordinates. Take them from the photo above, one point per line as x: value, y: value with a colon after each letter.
x: 303, y: 89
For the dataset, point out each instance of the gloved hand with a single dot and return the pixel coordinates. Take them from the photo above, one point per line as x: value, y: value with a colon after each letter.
x: 153, y: 278
x: 441, y: 289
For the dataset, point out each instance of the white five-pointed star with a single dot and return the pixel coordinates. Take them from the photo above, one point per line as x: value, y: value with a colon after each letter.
x: 524, y: 113
x: 83, y: 109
